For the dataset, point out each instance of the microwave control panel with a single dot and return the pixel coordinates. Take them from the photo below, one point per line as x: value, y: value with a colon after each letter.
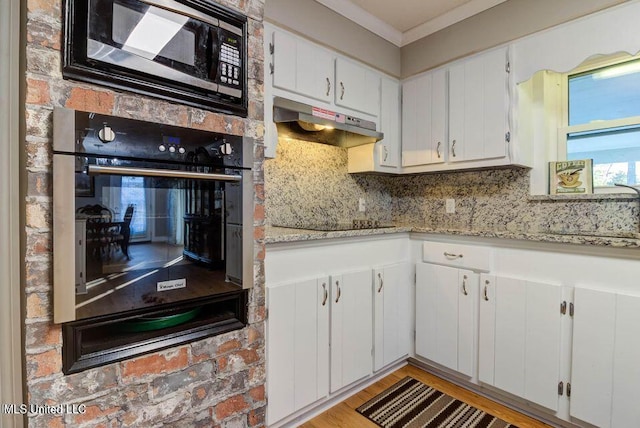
x: 230, y: 60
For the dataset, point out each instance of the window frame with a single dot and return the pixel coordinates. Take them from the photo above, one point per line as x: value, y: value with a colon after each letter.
x: 564, y: 129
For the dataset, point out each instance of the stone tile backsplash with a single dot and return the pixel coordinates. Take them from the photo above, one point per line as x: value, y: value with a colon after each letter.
x: 308, y: 182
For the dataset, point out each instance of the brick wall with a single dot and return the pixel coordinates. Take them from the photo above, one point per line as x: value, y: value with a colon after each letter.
x: 218, y: 381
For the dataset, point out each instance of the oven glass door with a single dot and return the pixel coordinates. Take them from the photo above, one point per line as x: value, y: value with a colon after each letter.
x: 151, y: 236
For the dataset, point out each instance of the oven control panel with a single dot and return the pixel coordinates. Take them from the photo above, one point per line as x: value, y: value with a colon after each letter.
x: 101, y: 135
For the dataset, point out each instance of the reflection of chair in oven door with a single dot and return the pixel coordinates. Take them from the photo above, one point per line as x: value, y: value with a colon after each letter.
x: 81, y: 256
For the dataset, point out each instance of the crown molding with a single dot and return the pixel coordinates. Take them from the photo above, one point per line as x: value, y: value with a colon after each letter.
x: 374, y: 24
x: 365, y: 19
x: 456, y: 15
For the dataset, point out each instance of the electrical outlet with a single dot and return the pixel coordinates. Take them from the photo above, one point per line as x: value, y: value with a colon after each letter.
x: 361, y: 205
x: 450, y: 206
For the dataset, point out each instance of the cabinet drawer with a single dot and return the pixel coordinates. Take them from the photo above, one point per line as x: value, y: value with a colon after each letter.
x: 457, y: 255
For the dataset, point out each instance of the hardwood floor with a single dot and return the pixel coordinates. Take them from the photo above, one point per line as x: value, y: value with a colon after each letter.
x: 344, y: 414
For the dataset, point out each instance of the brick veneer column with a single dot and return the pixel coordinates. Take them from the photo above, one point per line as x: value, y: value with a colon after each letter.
x: 217, y: 381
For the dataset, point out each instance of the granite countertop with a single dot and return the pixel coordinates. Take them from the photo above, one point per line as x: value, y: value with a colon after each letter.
x: 281, y: 234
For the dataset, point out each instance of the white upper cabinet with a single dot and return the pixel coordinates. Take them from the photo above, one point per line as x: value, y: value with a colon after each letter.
x: 389, y: 146
x: 478, y: 107
x: 357, y: 87
x: 383, y: 156
x: 302, y: 67
x: 424, y: 108
x: 458, y: 117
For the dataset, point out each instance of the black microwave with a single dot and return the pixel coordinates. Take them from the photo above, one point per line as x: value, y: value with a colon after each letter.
x: 189, y: 51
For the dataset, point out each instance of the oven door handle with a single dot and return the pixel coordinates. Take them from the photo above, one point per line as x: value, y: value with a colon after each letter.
x: 152, y: 172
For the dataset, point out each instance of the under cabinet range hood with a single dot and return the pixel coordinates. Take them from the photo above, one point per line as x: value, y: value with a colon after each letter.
x: 304, y: 122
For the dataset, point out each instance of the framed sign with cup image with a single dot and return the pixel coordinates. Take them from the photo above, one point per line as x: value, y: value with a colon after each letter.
x: 571, y: 177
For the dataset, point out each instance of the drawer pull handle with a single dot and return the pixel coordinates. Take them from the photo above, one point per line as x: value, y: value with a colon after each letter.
x: 464, y: 285
x: 452, y: 256
x: 381, y: 282
x: 486, y: 284
x: 326, y: 294
x: 339, y: 292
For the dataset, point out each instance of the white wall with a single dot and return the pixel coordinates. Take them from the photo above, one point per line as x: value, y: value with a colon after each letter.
x: 10, y: 330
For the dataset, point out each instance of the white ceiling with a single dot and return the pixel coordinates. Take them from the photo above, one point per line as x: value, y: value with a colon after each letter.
x: 404, y: 21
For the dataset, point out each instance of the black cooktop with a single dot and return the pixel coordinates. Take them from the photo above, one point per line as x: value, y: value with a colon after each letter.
x: 337, y: 226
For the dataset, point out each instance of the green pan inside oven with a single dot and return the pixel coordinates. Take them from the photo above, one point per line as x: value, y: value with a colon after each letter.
x: 160, y: 322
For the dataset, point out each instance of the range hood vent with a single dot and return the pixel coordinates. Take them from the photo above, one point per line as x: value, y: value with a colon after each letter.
x: 304, y: 122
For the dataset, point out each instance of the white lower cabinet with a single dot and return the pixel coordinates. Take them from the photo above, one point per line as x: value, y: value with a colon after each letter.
x: 325, y: 304
x: 520, y: 338
x: 446, y: 302
x: 315, y: 325
x: 605, y: 369
x: 297, y: 346
x: 351, y: 328
x: 563, y: 338
x: 391, y: 314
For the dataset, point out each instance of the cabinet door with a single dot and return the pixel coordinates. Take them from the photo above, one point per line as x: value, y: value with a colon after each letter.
x: 351, y: 328
x: 424, y: 119
x: 426, y: 304
x: 625, y: 411
x: 444, y: 334
x: 391, y: 291
x: 297, y: 346
x: 478, y: 106
x: 487, y: 336
x: 357, y: 87
x: 284, y: 61
x: 604, y: 368
x: 542, y: 343
x: 302, y: 67
x: 519, y: 344
x: 457, y: 112
x: 510, y: 335
x: 314, y: 71
x: 467, y: 315
x: 389, y: 146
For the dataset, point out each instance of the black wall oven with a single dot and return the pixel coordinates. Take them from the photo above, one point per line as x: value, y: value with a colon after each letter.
x: 193, y: 51
x: 152, y: 225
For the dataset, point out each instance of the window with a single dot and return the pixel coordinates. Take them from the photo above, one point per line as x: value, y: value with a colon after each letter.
x: 602, y: 122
